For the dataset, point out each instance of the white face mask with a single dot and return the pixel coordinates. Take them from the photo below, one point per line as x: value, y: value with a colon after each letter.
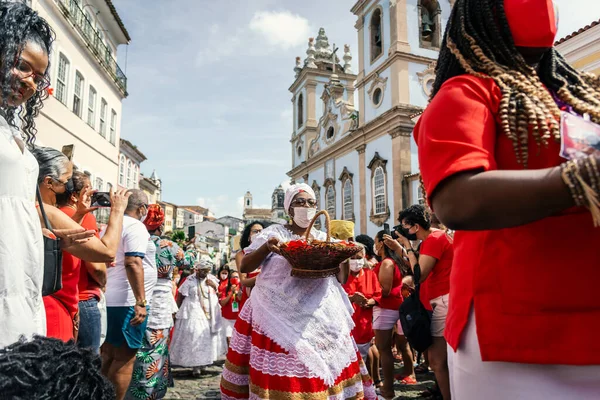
x: 303, y: 216
x: 357, y: 265
x: 144, y: 218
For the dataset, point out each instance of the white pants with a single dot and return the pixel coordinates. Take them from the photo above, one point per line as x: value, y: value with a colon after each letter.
x: 473, y: 379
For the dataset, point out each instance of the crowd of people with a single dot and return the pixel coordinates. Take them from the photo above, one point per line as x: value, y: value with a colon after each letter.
x: 126, y: 303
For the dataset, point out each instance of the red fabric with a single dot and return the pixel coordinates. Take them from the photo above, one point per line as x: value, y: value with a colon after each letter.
x: 394, y: 299
x: 438, y: 246
x: 62, y: 306
x: 533, y: 23
x: 88, y: 287
x: 424, y: 296
x: 59, y: 324
x: 508, y: 274
x: 246, y: 291
x: 227, y: 309
x: 366, y: 283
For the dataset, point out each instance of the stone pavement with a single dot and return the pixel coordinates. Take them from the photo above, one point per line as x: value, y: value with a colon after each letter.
x: 207, y: 386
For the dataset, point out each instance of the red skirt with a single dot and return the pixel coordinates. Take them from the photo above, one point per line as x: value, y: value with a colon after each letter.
x: 258, y: 368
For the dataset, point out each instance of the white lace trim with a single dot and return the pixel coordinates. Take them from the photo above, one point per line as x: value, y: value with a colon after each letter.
x: 278, y: 364
x: 236, y: 379
x: 239, y: 343
x: 309, y: 318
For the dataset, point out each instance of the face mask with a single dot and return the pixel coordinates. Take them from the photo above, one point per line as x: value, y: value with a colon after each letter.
x: 533, y: 23
x: 144, y: 217
x: 235, y: 281
x: 303, y: 216
x: 252, y: 236
x: 224, y: 277
x: 357, y: 265
x: 409, y: 236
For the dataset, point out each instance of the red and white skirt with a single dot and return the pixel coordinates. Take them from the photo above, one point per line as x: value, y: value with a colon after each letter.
x: 258, y: 368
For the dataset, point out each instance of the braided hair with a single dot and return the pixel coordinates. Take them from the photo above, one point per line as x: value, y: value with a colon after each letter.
x: 478, y: 41
x: 47, y: 368
x: 19, y: 24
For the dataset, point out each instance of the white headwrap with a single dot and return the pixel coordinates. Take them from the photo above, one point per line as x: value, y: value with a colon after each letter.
x: 204, y: 265
x: 293, y: 191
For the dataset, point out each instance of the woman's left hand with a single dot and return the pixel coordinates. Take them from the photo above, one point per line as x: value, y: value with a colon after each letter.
x: 84, y: 204
x: 391, y: 243
x: 212, y: 284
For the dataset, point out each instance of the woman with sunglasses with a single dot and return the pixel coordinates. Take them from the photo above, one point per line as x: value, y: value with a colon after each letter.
x: 292, y: 337
x: 62, y: 307
x: 25, y: 44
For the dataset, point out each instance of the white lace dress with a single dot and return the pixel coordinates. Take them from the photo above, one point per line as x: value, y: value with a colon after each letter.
x: 198, y: 338
x: 293, y: 334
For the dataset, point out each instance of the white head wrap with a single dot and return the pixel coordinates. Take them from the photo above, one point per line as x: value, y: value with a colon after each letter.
x: 204, y: 265
x: 293, y: 191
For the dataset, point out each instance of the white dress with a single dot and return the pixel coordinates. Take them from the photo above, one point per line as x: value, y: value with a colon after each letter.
x: 21, y: 242
x: 199, y: 338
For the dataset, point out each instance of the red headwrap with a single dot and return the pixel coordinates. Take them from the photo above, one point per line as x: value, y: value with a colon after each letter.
x: 533, y: 23
x: 155, y: 217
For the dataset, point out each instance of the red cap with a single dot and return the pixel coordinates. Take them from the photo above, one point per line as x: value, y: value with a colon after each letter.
x: 533, y: 23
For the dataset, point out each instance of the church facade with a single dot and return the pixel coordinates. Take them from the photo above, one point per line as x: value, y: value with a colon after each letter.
x: 362, y: 161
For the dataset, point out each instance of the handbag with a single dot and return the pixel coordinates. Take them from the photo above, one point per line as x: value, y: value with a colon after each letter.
x: 52, y: 282
x: 415, y: 319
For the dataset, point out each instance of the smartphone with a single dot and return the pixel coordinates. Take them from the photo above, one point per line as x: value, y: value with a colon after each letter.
x: 101, y: 199
x: 386, y: 229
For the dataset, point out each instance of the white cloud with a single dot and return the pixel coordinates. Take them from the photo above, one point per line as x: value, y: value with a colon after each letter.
x: 282, y: 29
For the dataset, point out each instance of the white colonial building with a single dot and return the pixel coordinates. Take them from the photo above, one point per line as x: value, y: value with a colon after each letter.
x: 362, y: 161
x: 89, y: 86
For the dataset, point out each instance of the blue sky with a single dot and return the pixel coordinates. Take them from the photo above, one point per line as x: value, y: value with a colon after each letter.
x: 208, y: 89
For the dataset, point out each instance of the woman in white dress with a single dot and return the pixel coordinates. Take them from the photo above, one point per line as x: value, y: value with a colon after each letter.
x: 25, y: 44
x: 198, y: 340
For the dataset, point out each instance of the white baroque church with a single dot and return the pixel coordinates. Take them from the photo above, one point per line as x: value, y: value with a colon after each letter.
x: 361, y: 160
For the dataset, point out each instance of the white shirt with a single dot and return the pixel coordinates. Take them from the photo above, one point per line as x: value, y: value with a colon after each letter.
x: 21, y: 242
x: 136, y: 242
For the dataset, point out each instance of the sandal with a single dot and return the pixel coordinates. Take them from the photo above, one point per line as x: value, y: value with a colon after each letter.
x: 433, y: 393
x: 384, y: 395
x: 406, y: 380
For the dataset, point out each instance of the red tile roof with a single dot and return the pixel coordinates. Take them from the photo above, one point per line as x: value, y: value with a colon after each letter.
x: 579, y: 32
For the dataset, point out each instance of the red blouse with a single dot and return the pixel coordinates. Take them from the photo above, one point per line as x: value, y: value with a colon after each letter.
x: 509, y: 275
x: 366, y: 283
x: 394, y: 299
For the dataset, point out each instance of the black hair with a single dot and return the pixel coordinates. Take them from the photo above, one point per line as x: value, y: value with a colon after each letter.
x: 416, y: 214
x: 368, y: 242
x: 401, y: 263
x: 245, y: 239
x: 46, y: 368
x: 19, y: 24
x: 478, y: 41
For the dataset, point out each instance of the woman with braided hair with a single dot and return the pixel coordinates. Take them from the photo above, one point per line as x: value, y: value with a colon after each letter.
x: 489, y: 146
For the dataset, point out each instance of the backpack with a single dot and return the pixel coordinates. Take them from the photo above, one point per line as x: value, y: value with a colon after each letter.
x: 415, y: 319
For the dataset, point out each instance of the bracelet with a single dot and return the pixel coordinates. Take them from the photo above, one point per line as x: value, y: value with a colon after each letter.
x: 583, y: 191
x: 410, y: 250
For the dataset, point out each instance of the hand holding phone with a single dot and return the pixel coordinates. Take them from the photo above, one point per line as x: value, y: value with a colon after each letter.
x: 101, y: 199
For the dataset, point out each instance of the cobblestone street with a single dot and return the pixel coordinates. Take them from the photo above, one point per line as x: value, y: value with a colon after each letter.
x: 207, y: 386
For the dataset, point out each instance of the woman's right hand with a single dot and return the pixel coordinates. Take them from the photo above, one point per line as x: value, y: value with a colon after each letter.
x: 273, y: 245
x: 119, y: 200
x: 84, y: 205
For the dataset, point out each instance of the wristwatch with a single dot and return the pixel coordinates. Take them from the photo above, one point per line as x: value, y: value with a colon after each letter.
x: 142, y: 303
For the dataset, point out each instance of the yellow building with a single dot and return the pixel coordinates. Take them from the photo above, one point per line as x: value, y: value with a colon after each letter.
x: 582, y: 48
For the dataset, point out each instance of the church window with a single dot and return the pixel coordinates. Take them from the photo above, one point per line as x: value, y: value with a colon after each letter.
x: 330, y: 200
x: 300, y: 111
x: 330, y: 132
x: 377, y: 96
x: 429, y: 24
x: 376, y: 32
x: 380, y: 211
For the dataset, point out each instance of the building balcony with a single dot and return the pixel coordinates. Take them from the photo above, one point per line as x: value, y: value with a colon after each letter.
x: 75, y: 15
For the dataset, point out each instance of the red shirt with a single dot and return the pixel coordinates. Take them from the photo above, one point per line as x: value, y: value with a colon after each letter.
x: 424, y: 296
x: 509, y: 275
x: 227, y: 310
x: 88, y: 287
x: 366, y: 283
x: 394, y: 299
x: 439, y: 246
x: 246, y: 291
